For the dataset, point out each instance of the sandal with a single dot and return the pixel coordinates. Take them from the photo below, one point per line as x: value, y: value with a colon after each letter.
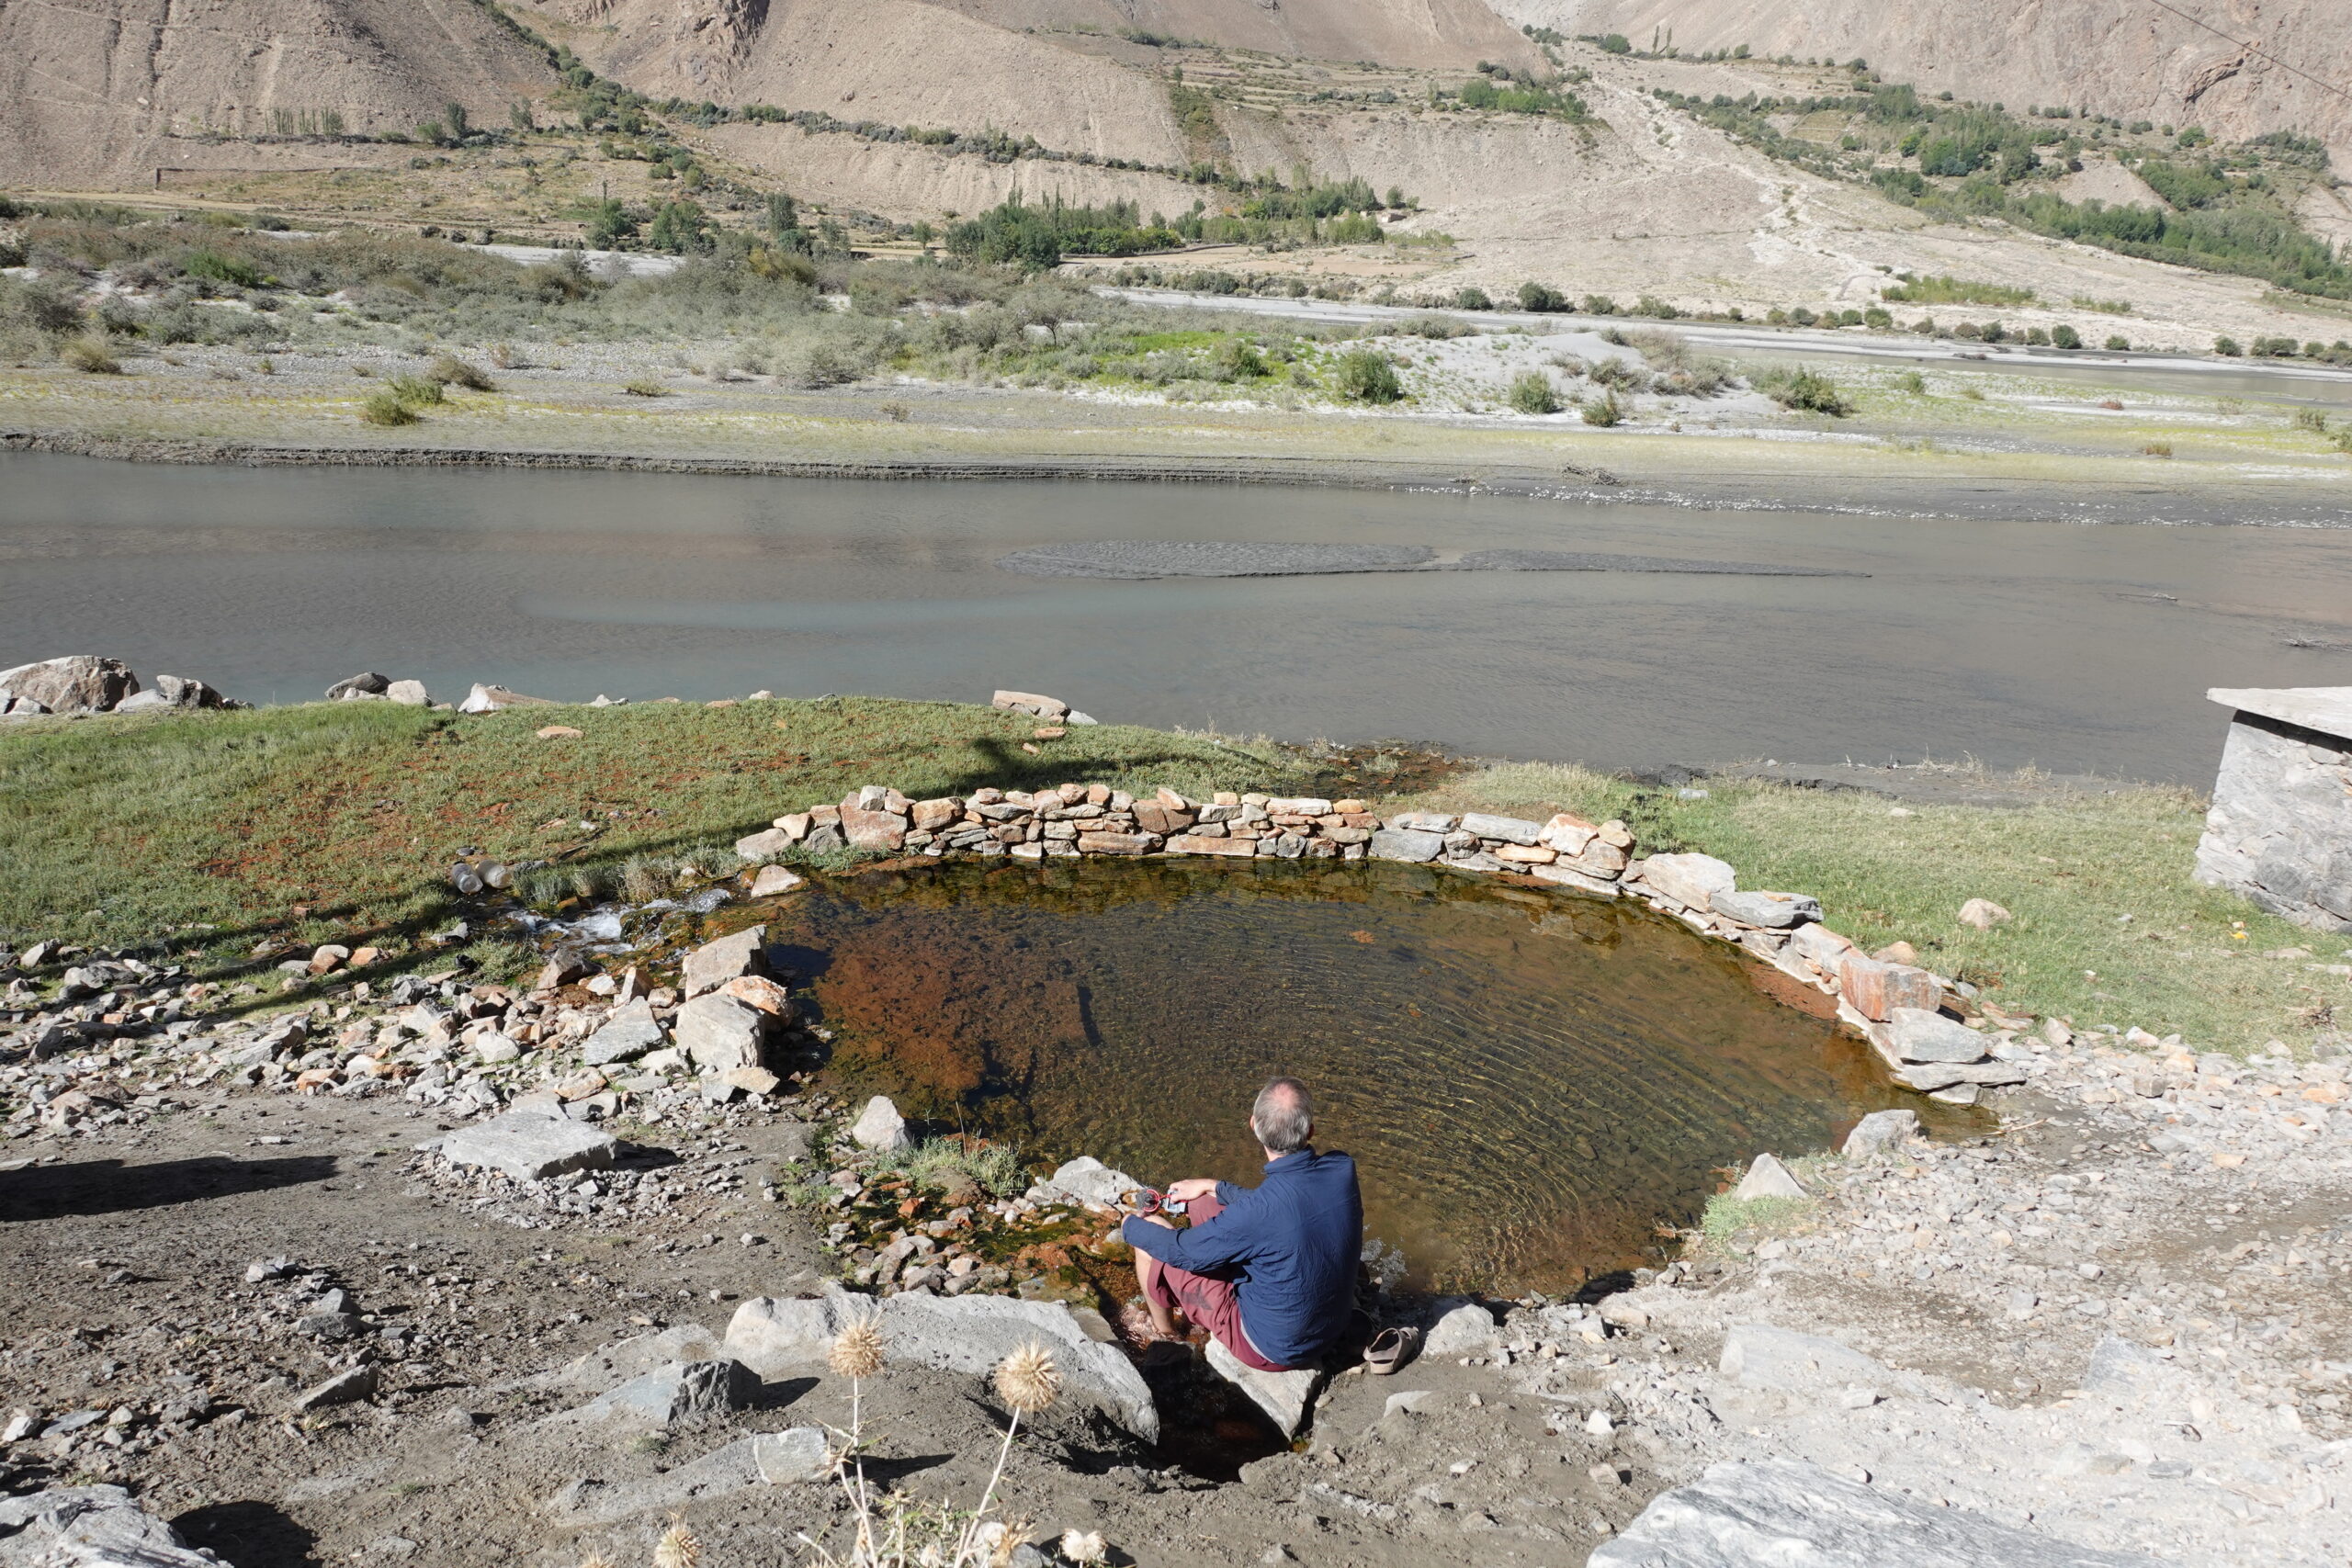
x: 1389, y: 1350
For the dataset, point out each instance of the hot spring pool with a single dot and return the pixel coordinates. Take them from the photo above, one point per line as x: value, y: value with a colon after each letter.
x: 1530, y: 1081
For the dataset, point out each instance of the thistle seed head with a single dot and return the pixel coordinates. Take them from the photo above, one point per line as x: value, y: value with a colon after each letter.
x: 857, y: 1350
x: 1028, y: 1380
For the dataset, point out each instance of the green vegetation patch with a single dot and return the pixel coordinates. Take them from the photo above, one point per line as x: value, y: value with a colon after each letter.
x: 211, y: 827
x: 2188, y: 959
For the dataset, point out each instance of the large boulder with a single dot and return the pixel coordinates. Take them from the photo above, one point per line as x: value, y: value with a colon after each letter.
x: 1084, y: 1181
x: 90, y: 1527
x: 720, y: 1034
x: 1773, y: 1514
x: 714, y: 963
x: 80, y: 682
x: 1691, y: 881
x: 1919, y: 1034
x: 879, y: 1126
x: 174, y: 692
x: 365, y: 684
x: 678, y: 1392
x: 1407, y: 844
x: 957, y: 1334
x: 1287, y: 1398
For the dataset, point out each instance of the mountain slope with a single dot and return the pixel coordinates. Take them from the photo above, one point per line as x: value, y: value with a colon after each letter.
x: 102, y: 87
x: 2127, y: 58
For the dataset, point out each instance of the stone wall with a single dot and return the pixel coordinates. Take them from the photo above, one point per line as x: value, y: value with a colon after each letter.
x: 2280, y: 828
x: 1922, y: 1024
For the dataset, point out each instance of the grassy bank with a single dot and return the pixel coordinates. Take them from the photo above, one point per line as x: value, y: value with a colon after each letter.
x: 340, y: 822
x: 215, y: 834
x: 2108, y: 927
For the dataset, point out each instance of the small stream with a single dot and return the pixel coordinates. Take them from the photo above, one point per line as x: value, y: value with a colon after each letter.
x: 1530, y: 1081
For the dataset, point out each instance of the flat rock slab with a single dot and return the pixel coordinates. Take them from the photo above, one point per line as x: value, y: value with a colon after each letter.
x: 1137, y: 559
x: 630, y: 1033
x: 1759, y: 1355
x: 611, y: 1365
x: 1467, y: 1331
x: 1770, y: 1514
x: 957, y: 1334
x: 1287, y: 1398
x: 722, y: 1472
x: 530, y: 1147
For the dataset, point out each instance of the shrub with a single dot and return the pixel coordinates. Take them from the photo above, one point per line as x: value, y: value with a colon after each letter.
x: 1911, y: 381
x: 1878, y: 320
x: 90, y: 354
x: 2312, y: 420
x: 1365, y: 377
x: 384, y: 408
x: 2227, y: 347
x: 1435, y: 327
x: 415, y: 391
x: 1598, y: 305
x: 2065, y: 337
x: 1604, y: 409
x: 223, y: 269
x: 1531, y: 393
x: 1805, y: 391
x: 1471, y: 299
x: 2117, y: 344
x: 2157, y: 449
x: 1539, y: 299
x: 451, y: 371
x: 645, y: 387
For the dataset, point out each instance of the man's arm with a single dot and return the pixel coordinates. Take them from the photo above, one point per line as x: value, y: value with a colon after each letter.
x: 1229, y: 1238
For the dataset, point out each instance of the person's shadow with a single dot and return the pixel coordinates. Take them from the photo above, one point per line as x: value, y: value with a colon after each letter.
x: 249, y: 1534
x: 109, y: 1186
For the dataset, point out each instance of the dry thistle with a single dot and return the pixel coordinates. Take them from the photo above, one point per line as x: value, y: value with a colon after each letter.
x: 1028, y: 1380
x: 1084, y: 1547
x: 678, y: 1548
x: 595, y: 1559
x: 857, y: 1350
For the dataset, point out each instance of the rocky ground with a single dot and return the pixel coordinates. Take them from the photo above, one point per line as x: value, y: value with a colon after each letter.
x: 2118, y: 1322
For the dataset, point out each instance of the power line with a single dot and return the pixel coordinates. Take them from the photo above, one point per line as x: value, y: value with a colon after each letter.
x: 2252, y: 49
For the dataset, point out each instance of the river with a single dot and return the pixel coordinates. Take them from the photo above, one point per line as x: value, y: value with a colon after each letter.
x: 2079, y: 647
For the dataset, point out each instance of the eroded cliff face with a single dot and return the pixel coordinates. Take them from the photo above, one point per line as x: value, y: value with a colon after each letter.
x: 2128, y: 58
x: 99, y: 90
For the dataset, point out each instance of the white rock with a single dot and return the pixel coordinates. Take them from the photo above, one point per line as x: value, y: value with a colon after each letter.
x: 1757, y: 1355
x: 1881, y: 1129
x: 1287, y: 1398
x: 1084, y: 1181
x: 1692, y: 880
x: 90, y: 1527
x: 1774, y: 1514
x: 879, y: 1126
x: 1768, y: 1178
x: 1467, y: 1330
x: 795, y: 1456
x: 1984, y: 914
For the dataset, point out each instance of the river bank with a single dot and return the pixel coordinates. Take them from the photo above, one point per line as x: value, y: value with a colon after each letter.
x: 1968, y: 441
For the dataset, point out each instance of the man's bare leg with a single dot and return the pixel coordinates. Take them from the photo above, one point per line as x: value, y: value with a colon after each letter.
x: 1146, y: 1274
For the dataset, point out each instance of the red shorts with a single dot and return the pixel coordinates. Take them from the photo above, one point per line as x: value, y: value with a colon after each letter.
x: 1207, y: 1299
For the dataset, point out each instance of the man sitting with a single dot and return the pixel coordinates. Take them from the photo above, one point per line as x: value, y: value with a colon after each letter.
x: 1270, y: 1270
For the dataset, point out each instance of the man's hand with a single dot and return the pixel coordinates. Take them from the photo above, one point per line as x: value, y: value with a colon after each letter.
x: 1193, y: 1187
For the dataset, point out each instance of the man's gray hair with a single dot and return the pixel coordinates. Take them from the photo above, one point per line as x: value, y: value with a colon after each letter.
x: 1283, y: 1117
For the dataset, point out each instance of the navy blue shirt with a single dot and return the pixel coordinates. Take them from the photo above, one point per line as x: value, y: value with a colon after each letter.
x: 1290, y: 1246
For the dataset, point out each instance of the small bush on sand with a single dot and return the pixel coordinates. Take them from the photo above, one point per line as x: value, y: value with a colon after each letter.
x: 90, y: 354
x: 1531, y: 393
x: 451, y: 371
x: 1604, y: 409
x: 386, y: 408
x: 1805, y: 391
x: 1365, y: 377
x: 416, y: 392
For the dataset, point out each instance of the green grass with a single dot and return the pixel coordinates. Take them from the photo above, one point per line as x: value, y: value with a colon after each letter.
x: 341, y: 819
x: 2069, y: 870
x: 996, y: 1168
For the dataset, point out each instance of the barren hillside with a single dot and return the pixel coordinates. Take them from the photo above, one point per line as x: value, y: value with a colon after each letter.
x: 111, y: 88
x: 2128, y: 58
